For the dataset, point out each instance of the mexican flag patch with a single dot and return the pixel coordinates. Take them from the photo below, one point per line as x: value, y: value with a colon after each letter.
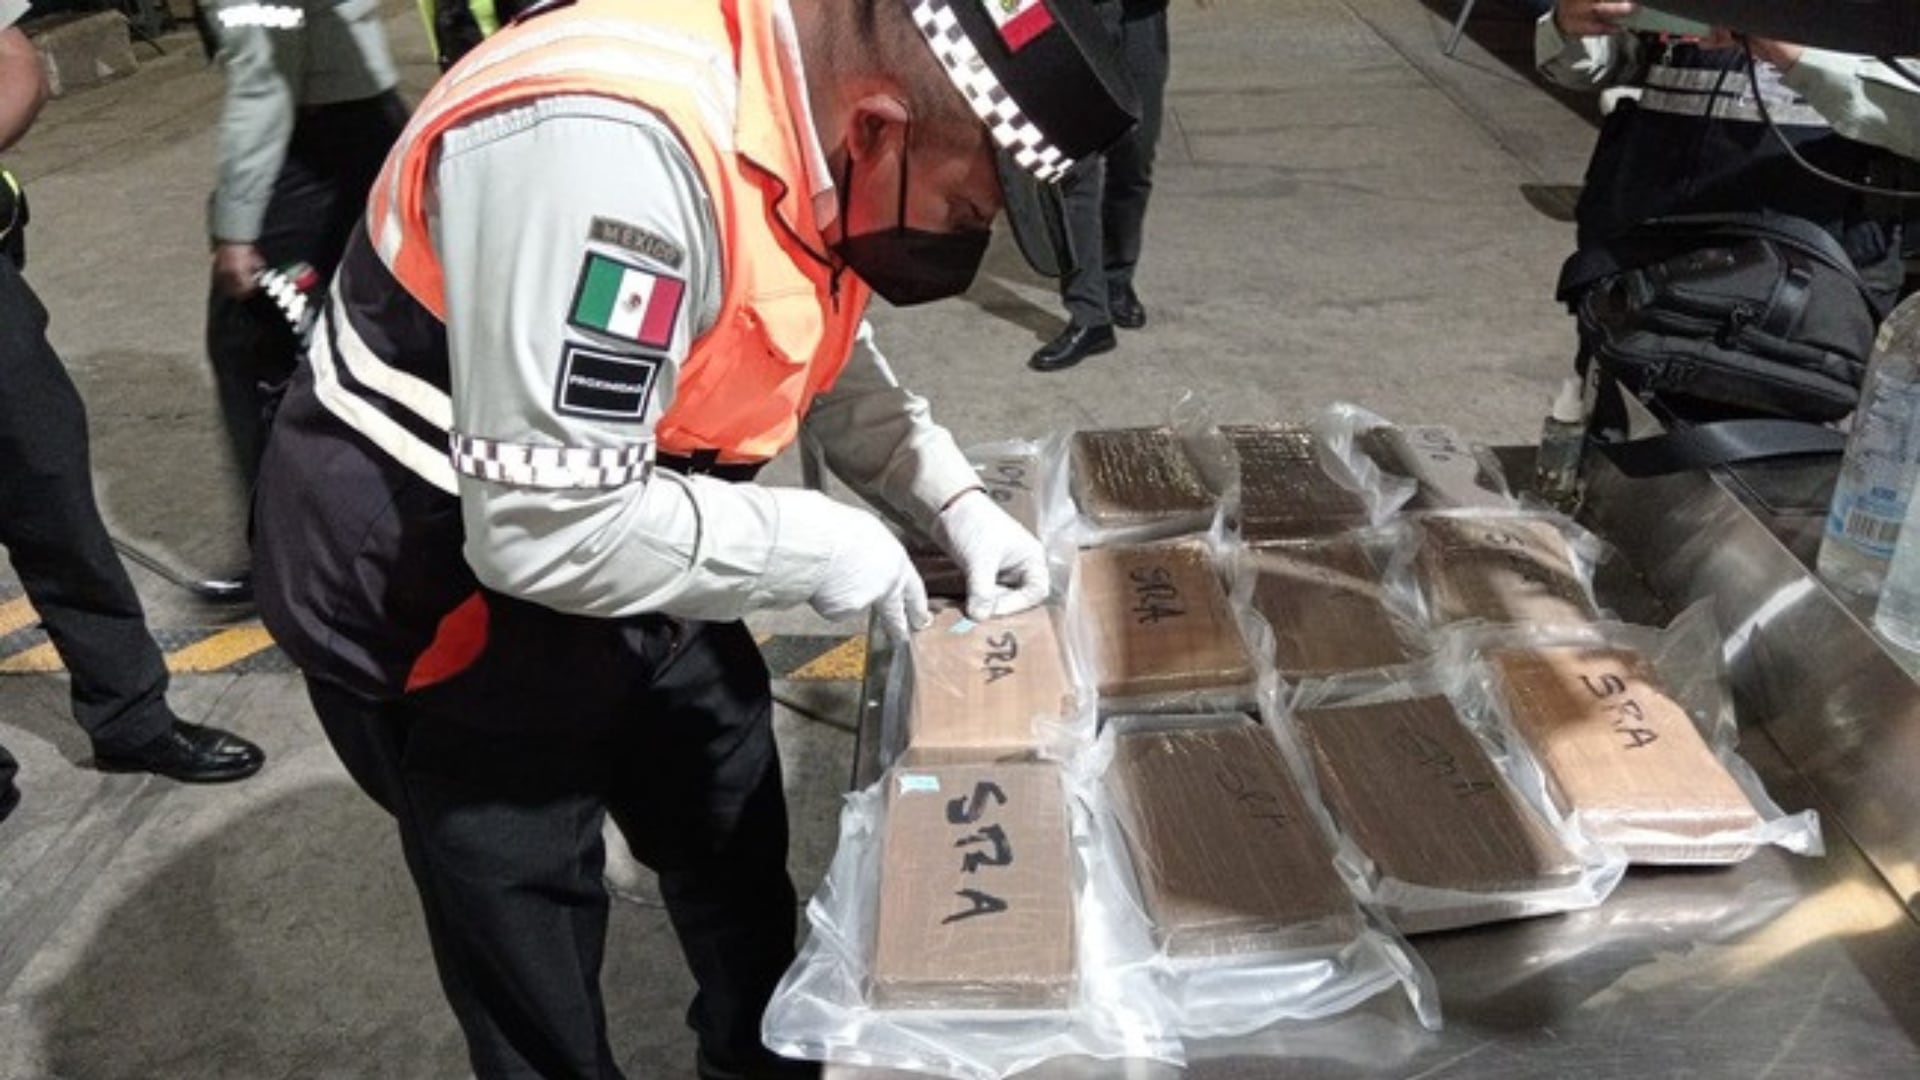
x: 1019, y: 21
x: 626, y: 302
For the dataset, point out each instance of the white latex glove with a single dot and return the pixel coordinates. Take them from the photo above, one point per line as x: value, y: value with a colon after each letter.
x: 869, y: 569
x: 1005, y: 565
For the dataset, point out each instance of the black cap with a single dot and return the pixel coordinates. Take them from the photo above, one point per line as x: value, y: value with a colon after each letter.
x: 1045, y: 77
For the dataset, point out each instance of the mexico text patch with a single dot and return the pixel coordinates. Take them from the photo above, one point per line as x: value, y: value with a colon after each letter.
x: 642, y: 242
x: 605, y: 385
x: 624, y: 301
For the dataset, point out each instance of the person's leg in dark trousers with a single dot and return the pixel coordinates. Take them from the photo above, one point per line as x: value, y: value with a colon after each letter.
x: 1083, y: 289
x: 59, y: 547
x: 501, y: 833
x: 1129, y: 163
x: 332, y: 159
x: 700, y: 800
x: 1084, y: 194
x: 501, y: 828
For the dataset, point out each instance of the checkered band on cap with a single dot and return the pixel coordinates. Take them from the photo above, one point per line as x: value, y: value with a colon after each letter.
x: 550, y: 466
x: 1011, y: 128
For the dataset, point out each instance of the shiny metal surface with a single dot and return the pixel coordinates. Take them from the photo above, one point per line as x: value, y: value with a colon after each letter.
x: 1808, y: 669
x: 1779, y: 967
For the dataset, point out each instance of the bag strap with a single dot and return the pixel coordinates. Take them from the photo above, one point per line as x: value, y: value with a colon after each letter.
x: 1683, y: 447
x: 1796, y: 231
x: 1658, y: 239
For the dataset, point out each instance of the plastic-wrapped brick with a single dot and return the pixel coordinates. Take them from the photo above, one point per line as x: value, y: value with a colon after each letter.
x: 984, y: 691
x: 1623, y: 755
x: 1417, y: 792
x: 1228, y: 856
x: 976, y: 889
x: 1157, y: 627
x: 1327, y: 607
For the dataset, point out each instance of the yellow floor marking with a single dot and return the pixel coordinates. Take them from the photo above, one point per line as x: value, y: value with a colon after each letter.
x: 222, y: 650
x: 847, y: 660
x: 17, y: 614
x: 40, y: 658
x: 761, y: 637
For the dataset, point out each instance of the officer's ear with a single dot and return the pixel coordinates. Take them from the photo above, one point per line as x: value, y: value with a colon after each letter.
x: 878, y: 124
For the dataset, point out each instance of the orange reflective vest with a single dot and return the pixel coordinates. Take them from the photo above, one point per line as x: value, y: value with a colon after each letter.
x: 712, y: 72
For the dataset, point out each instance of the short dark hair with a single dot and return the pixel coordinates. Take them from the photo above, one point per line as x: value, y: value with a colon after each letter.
x: 881, y: 39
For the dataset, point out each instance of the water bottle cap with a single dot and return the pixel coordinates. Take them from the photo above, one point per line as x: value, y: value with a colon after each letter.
x: 1567, y: 406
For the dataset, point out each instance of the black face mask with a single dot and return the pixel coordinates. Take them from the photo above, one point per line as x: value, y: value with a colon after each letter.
x: 908, y: 266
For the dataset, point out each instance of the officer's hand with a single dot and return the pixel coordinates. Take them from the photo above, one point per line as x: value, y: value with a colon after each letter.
x: 1591, y: 18
x: 236, y: 269
x: 1005, y: 565
x: 869, y: 569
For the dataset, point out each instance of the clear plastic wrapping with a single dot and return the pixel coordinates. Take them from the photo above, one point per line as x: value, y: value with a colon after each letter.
x: 1227, y: 854
x: 1137, y: 484
x: 1446, y: 826
x: 1019, y: 475
x: 1151, y: 630
x: 1443, y: 470
x: 1326, y: 605
x: 1236, y: 875
x: 1288, y: 487
x: 1498, y: 567
x: 975, y: 907
x: 967, y: 928
x: 1014, y: 475
x: 1636, y: 737
x: 993, y: 691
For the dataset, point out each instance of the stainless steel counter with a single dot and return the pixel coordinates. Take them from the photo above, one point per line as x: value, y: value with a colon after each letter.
x: 1780, y: 967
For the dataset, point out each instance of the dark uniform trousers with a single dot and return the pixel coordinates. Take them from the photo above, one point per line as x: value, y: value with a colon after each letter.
x: 320, y: 194
x: 59, y: 547
x: 500, y: 779
x: 1106, y: 198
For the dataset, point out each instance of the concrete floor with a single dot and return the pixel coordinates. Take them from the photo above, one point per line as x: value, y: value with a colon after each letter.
x: 1341, y: 213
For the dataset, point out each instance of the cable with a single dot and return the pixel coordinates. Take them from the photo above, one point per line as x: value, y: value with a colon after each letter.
x: 1760, y: 100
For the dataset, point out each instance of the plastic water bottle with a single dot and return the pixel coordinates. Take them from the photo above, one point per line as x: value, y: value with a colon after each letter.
x: 1897, y: 615
x: 1563, y: 445
x: 1883, y: 453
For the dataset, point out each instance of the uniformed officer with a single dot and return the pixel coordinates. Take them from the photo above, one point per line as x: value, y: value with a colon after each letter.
x: 1106, y: 201
x: 50, y: 524
x: 310, y: 113
x: 507, y: 522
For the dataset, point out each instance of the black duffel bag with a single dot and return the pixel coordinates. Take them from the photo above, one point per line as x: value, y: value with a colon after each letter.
x: 1753, y: 315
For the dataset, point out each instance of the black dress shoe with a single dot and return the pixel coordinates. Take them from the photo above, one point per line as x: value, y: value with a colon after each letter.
x: 1125, y: 308
x: 1074, y: 344
x: 189, y: 753
x: 231, y: 589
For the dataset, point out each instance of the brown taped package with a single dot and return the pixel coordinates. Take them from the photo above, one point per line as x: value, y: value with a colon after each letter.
x: 1623, y: 754
x: 980, y: 689
x: 1419, y: 795
x: 1137, y: 476
x: 1161, y: 626
x: 1447, y: 470
x: 1285, y: 494
x: 1327, y: 608
x: 1228, y: 857
x: 1504, y: 569
x: 976, y: 890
